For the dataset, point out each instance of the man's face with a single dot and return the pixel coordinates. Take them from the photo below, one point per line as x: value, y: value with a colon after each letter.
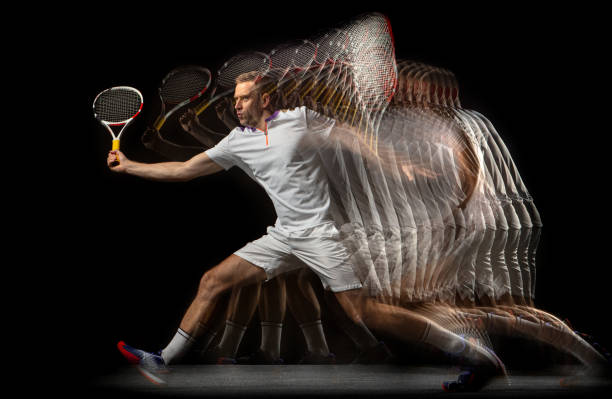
x: 248, y: 104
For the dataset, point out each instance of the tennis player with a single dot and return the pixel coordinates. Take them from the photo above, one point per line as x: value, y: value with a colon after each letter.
x: 278, y: 149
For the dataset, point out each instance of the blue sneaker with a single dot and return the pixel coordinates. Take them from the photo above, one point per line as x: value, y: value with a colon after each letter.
x: 474, y: 378
x: 149, y: 364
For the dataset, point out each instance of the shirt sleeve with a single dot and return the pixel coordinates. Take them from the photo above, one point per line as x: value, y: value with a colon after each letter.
x: 222, y: 154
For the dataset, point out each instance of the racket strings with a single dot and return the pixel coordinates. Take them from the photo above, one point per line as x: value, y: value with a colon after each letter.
x: 184, y: 85
x: 117, y: 104
x: 250, y: 62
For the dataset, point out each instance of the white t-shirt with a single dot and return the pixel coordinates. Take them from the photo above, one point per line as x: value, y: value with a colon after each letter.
x: 285, y: 162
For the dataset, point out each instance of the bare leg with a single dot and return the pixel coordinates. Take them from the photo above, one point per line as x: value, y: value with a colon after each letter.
x: 304, y: 306
x: 272, y: 307
x: 240, y: 310
x: 231, y: 272
x: 409, y: 326
x: 301, y: 298
x: 273, y: 300
x: 209, y: 330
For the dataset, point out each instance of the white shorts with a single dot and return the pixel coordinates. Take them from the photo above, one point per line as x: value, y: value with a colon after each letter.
x: 318, y: 248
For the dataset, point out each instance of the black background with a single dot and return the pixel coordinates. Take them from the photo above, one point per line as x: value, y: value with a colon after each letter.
x: 123, y: 256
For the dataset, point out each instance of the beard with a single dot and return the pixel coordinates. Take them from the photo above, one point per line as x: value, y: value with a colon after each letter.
x: 253, y: 114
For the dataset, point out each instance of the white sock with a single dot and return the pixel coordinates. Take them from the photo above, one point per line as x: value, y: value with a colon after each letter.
x: 453, y: 344
x: 315, y: 337
x: 232, y: 336
x: 180, y: 344
x: 444, y: 339
x: 271, y: 334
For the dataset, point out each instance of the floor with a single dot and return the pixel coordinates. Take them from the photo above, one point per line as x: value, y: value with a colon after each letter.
x: 330, y: 381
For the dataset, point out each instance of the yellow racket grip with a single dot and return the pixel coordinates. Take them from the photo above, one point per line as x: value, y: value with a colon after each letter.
x: 115, y: 148
x: 202, y: 107
x: 159, y: 123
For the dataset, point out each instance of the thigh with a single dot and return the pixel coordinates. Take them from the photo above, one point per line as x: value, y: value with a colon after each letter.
x: 234, y: 271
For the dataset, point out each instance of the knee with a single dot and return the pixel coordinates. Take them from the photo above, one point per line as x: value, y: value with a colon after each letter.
x: 209, y: 286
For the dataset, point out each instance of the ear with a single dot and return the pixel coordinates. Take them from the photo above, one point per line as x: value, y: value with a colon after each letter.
x: 265, y: 100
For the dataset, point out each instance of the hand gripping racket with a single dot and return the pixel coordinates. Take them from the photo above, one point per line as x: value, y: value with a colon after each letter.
x: 116, y: 108
x: 180, y: 87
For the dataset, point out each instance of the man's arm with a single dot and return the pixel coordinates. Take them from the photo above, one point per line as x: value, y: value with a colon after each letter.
x: 190, y: 123
x: 199, y: 165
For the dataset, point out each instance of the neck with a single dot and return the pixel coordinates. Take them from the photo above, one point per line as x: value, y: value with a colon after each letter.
x: 261, y: 124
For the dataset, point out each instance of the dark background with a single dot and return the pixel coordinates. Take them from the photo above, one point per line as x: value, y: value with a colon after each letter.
x: 128, y: 253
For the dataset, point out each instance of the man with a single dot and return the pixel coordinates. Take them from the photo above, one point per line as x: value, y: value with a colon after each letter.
x: 272, y: 297
x: 279, y: 151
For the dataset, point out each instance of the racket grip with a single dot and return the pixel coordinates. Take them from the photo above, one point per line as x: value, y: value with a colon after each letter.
x: 159, y: 123
x: 115, y: 148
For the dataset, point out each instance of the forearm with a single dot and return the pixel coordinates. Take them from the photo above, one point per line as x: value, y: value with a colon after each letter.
x: 199, y: 165
x: 164, y: 171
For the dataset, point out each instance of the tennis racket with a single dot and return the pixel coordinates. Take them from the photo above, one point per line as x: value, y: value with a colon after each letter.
x: 116, y: 108
x: 181, y: 86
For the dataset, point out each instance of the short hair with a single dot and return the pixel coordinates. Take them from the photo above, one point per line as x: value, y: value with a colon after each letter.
x: 252, y: 76
x: 263, y: 85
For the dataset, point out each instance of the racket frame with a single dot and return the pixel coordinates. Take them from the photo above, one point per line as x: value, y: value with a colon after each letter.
x: 161, y: 119
x: 109, y: 125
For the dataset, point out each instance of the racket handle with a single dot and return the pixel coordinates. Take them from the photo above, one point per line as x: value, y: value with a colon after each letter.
x: 115, y: 148
x: 159, y: 123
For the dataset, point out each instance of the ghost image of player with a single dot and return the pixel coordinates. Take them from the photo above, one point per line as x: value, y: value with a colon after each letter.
x: 505, y: 309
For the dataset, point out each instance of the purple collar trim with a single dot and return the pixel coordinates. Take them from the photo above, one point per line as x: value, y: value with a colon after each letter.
x: 274, y: 115
x: 268, y: 119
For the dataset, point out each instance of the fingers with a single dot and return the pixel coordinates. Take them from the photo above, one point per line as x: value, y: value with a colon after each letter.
x: 114, y: 160
x: 188, y: 119
x: 188, y: 115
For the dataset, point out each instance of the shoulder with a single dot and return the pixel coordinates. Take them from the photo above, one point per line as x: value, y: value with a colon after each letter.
x: 296, y: 112
x: 225, y: 143
x: 234, y: 134
x: 302, y: 113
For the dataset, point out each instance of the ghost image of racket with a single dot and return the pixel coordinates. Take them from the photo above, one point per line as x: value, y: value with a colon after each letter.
x: 230, y: 70
x: 115, y: 109
x: 181, y: 86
